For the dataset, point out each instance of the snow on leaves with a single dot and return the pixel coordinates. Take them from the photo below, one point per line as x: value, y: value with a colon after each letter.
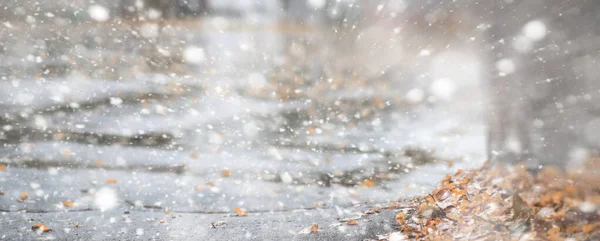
x: 507, y: 204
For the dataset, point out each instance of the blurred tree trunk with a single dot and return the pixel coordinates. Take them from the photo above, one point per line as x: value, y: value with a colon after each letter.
x: 544, y: 89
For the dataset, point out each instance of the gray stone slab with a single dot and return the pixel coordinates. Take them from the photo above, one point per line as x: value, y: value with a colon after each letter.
x: 135, y: 225
x: 88, y: 189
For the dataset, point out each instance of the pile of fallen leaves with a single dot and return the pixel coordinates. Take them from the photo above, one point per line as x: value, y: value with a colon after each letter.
x: 507, y: 203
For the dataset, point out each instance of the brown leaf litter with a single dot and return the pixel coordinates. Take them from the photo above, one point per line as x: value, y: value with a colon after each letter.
x: 507, y: 203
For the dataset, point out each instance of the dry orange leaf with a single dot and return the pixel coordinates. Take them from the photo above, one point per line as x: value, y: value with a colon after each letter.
x: 438, y: 191
x: 571, y: 190
x: 464, y: 181
x: 241, y: 212
x: 573, y: 229
x: 486, y: 196
x: 379, y: 103
x: 23, y: 196
x: 400, y: 218
x: 458, y: 191
x: 588, y: 228
x: 40, y: 228
x: 226, y: 173
x: 554, y: 234
x: 433, y: 222
x: 372, y: 211
x: 67, y: 204
x: 352, y: 222
x: 111, y: 181
x: 558, y: 197
x: 422, y: 207
x: 311, y: 130
x: 2, y: 167
x: 319, y: 204
x: 99, y: 163
x: 447, y: 178
x: 314, y: 228
x: 367, y: 183
x: 194, y: 155
x: 1, y: 193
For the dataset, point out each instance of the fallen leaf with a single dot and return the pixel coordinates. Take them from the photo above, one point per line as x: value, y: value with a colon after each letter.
x: 459, y: 192
x: 23, y: 196
x: 308, y: 230
x: 571, y: 190
x: 314, y: 228
x: 241, y: 212
x: 111, y: 181
x: 99, y: 163
x: 352, y: 222
x: 379, y: 103
x: 554, y: 234
x: 367, y: 183
x: 319, y: 204
x: 2, y: 167
x: 194, y: 155
x: 433, y: 222
x: 573, y: 229
x: 447, y: 178
x: 162, y: 221
x: 1, y: 193
x: 67, y: 204
x: 310, y: 130
x: 226, y: 173
x: 588, y: 228
x: 430, y: 199
x: 372, y: 211
x: 40, y: 228
x: 458, y: 172
x: 520, y: 208
x: 400, y: 218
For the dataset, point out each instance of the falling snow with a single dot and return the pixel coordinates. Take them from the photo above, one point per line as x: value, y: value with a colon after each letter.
x: 154, y: 119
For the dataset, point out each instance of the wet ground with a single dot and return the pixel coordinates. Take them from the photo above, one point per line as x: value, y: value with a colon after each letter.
x: 207, y: 116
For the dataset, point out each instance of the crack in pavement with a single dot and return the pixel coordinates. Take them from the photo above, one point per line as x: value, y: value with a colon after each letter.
x: 45, y: 164
x: 386, y: 205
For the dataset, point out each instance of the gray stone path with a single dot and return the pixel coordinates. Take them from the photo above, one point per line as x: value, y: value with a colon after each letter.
x: 145, y: 225
x: 263, y: 121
